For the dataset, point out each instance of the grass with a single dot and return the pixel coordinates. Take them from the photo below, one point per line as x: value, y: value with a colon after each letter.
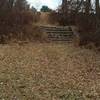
x: 49, y: 71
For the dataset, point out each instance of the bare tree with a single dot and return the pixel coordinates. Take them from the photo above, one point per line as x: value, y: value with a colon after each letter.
x: 11, y: 3
x: 88, y: 7
x: 97, y: 7
x: 97, y: 15
x: 64, y: 6
x: 21, y: 5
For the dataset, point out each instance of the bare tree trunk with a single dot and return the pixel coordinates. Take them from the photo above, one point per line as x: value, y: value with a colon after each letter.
x: 64, y: 11
x: 11, y: 3
x: 97, y: 16
x: 64, y: 6
x: 97, y: 7
x: 88, y: 6
x: 97, y: 11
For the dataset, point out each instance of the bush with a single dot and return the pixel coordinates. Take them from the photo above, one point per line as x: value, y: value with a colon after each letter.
x: 53, y: 17
x: 87, y: 38
x: 87, y: 30
x: 17, y: 25
x: 86, y: 23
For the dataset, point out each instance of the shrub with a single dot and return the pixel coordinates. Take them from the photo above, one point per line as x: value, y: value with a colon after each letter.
x: 87, y: 38
x: 53, y: 17
x: 17, y: 25
x: 86, y: 23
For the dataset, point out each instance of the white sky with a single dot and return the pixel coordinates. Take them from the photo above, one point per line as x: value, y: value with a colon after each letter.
x: 53, y: 4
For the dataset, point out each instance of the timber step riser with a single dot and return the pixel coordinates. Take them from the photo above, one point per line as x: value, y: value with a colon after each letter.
x: 58, y: 33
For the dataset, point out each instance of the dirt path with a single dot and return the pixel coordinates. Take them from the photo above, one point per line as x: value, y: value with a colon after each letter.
x: 44, y: 18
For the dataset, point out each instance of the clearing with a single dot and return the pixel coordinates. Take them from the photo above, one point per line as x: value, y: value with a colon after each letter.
x: 49, y: 71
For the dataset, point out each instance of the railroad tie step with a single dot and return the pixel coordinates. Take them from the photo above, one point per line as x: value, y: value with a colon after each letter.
x: 58, y: 33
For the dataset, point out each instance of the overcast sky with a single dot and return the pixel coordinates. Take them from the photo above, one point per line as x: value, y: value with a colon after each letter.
x: 53, y: 4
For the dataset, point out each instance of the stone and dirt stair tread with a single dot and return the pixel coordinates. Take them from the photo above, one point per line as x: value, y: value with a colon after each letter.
x: 56, y: 28
x: 51, y: 31
x: 58, y: 33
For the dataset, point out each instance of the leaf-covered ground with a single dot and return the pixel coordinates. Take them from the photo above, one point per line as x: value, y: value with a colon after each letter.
x: 46, y: 71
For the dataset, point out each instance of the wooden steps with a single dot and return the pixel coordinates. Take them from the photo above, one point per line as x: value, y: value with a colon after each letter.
x: 58, y: 33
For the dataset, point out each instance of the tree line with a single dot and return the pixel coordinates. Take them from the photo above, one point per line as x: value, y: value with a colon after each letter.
x: 85, y: 14
x: 8, y: 5
x: 75, y: 7
x: 16, y: 19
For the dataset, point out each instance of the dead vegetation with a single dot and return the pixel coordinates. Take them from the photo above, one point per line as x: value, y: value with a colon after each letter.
x: 49, y: 72
x: 16, y: 21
